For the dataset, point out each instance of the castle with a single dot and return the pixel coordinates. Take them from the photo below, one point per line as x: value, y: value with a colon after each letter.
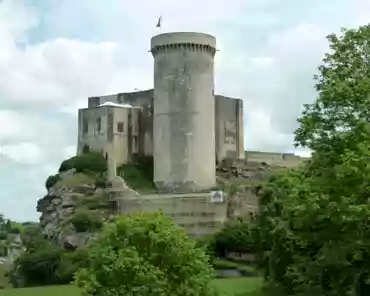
x: 182, y: 123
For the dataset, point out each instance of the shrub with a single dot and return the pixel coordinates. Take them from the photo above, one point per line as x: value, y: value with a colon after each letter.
x: 3, y: 235
x: 93, y: 202
x: 69, y: 263
x: 138, y: 175
x: 102, y: 182
x: 3, y: 250
x: 38, y: 267
x: 15, y: 230
x: 145, y: 254
x: 235, y: 236
x: 84, y: 220
x: 89, y: 162
x: 51, y: 181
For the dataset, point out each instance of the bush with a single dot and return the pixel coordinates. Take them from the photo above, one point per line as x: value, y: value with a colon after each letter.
x: 15, y: 230
x: 89, y: 162
x: 93, y: 203
x: 138, y: 175
x: 84, y: 221
x: 38, y: 268
x: 69, y: 263
x: 235, y: 236
x: 50, y: 265
x: 32, y: 238
x: 3, y: 235
x: 3, y: 250
x: 145, y: 254
x: 51, y: 181
x: 102, y: 182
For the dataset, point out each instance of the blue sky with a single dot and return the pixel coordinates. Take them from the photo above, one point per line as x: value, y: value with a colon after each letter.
x: 56, y: 53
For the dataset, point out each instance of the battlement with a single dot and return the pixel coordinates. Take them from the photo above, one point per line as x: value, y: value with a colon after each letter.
x: 196, y: 42
x: 184, y: 46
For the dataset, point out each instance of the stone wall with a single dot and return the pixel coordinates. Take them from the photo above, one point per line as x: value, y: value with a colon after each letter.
x: 195, y: 212
x: 287, y: 160
x: 135, y: 99
x: 229, y: 128
x: 117, y: 135
x: 184, y: 104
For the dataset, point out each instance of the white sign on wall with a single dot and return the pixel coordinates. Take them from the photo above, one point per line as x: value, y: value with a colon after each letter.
x: 217, y: 196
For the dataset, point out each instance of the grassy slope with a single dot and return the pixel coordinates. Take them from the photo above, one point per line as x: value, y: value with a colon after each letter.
x: 3, y: 281
x: 227, y: 287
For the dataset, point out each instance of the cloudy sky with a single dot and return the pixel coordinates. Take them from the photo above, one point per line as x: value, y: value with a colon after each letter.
x: 56, y: 53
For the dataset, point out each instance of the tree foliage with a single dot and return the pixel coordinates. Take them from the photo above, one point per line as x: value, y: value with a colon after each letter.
x: 51, y: 181
x: 44, y: 262
x: 145, y: 254
x: 87, y: 162
x: 343, y: 103
x: 312, y: 231
x: 235, y: 236
x: 86, y: 220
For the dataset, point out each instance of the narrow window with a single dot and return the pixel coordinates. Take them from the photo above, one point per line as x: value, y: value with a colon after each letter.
x: 120, y: 127
x: 85, y: 127
x: 98, y: 125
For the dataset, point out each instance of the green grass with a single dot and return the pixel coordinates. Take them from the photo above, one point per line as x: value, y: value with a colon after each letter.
x: 226, y: 264
x: 42, y: 291
x: 138, y: 178
x: 76, y: 179
x: 239, y: 286
x: 226, y: 287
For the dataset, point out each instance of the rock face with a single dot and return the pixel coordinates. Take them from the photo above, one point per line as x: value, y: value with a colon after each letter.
x: 242, y: 170
x: 246, y: 177
x: 59, y: 205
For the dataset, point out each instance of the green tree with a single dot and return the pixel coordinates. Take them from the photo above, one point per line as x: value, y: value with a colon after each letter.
x: 341, y: 110
x: 88, y: 162
x: 145, y: 254
x: 235, y: 236
x: 39, y: 267
x: 51, y: 181
x: 312, y: 230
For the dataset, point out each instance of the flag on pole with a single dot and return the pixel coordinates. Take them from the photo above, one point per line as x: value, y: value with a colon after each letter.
x: 159, y: 24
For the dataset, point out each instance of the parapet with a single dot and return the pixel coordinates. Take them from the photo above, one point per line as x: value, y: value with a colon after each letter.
x: 191, y: 40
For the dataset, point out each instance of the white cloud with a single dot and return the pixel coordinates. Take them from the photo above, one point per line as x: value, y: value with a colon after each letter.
x: 23, y: 152
x: 10, y: 124
x: 69, y: 151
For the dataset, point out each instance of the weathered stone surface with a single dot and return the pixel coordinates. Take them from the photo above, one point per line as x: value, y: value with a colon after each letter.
x: 59, y: 205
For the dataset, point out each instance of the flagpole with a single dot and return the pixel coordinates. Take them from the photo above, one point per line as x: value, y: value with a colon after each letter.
x: 161, y: 24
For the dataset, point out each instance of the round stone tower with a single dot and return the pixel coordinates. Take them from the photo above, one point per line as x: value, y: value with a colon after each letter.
x: 184, y: 112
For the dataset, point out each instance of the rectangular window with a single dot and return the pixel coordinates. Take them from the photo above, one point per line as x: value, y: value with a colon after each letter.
x: 85, y: 127
x: 98, y: 125
x: 120, y: 127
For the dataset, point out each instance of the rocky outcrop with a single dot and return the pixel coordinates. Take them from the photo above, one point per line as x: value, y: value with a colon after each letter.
x: 246, y: 178
x: 62, y: 201
x: 241, y: 169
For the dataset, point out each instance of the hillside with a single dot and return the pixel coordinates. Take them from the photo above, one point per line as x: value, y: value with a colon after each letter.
x: 80, y: 199
x: 75, y: 206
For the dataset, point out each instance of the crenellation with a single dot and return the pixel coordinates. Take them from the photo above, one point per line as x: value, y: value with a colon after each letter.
x: 193, y: 47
